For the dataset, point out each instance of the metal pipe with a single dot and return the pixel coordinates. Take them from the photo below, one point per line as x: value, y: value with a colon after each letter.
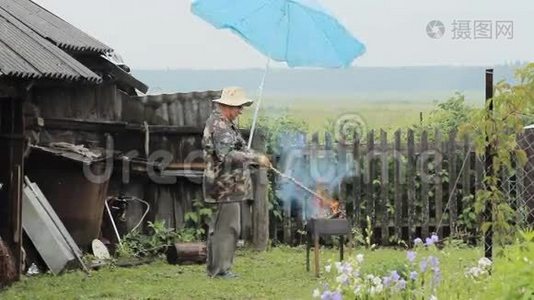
x: 260, y: 96
x: 299, y: 184
x: 112, y: 222
x: 488, y: 213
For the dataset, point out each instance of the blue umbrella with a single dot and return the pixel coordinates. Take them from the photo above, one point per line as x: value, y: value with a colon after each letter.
x: 298, y: 32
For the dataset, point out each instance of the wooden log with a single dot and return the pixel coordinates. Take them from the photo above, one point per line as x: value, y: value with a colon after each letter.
x: 187, y: 253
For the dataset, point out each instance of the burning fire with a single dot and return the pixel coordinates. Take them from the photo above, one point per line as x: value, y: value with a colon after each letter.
x: 326, y: 207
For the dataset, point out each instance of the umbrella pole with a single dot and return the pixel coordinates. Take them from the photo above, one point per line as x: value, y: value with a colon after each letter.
x: 260, y: 96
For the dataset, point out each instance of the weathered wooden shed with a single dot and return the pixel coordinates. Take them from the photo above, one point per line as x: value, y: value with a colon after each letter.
x: 52, y: 75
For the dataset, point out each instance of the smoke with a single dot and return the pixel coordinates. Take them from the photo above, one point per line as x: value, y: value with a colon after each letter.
x: 312, y: 166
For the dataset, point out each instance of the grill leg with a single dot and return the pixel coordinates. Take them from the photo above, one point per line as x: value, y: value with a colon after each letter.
x: 350, y: 244
x: 308, y: 247
x: 316, y: 246
x: 341, y: 242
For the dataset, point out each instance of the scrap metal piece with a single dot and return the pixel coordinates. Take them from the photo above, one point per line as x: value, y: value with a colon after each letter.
x: 47, y: 232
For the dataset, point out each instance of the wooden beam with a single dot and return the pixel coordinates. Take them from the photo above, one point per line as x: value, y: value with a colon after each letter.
x: 11, y: 177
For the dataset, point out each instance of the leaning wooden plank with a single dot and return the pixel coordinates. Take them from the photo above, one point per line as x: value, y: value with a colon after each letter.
x: 44, y: 234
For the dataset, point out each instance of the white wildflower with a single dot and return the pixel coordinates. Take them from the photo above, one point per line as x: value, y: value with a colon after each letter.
x: 376, y: 289
x: 432, y: 297
x: 377, y: 281
x: 342, y: 279
x: 484, y: 262
x: 346, y: 268
x: 359, y: 258
x: 475, y: 272
x: 339, y: 267
x: 327, y: 268
x: 316, y: 293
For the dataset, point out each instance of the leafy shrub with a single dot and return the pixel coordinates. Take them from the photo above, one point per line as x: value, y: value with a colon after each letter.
x: 153, y: 244
x: 514, y: 277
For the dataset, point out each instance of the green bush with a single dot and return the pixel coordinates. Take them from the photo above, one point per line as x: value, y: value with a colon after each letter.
x: 137, y: 244
x: 513, y: 278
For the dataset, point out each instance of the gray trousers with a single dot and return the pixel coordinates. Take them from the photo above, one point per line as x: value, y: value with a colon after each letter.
x: 224, y: 231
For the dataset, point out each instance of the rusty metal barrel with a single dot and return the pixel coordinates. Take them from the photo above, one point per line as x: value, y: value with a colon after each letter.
x: 187, y: 253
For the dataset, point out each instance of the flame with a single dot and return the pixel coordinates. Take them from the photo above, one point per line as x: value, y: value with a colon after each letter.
x: 326, y: 206
x: 334, y: 207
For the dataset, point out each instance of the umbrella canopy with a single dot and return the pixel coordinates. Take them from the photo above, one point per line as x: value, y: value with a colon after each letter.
x: 298, y: 32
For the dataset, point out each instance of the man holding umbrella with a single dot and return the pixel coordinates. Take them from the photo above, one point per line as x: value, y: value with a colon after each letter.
x: 227, y: 179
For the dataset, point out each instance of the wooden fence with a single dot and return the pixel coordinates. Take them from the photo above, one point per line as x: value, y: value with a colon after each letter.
x: 408, y: 185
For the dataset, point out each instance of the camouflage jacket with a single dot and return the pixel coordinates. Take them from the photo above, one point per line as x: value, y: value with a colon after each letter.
x: 227, y: 173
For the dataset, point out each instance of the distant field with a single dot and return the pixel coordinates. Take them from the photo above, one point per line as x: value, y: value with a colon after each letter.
x: 385, y: 112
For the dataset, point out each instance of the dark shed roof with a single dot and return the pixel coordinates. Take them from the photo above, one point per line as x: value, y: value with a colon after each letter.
x: 25, y: 54
x: 52, y: 27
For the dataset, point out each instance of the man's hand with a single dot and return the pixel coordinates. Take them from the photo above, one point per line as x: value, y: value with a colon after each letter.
x: 264, y: 161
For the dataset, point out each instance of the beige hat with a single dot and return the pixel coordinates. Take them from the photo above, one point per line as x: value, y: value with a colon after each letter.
x: 234, y: 96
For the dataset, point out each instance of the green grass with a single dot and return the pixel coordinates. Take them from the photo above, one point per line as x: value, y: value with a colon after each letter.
x: 276, y: 274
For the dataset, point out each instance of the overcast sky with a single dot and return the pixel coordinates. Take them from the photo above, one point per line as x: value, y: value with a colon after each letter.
x: 164, y: 34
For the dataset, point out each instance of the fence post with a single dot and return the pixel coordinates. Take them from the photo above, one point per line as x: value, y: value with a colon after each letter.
x: 438, y: 183
x: 340, y: 156
x: 452, y: 180
x: 411, y: 186
x: 260, y: 211
x: 369, y: 177
x: 397, y: 182
x: 466, y: 174
x: 423, y: 160
x: 488, y: 213
x: 357, y: 181
x: 384, y: 184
